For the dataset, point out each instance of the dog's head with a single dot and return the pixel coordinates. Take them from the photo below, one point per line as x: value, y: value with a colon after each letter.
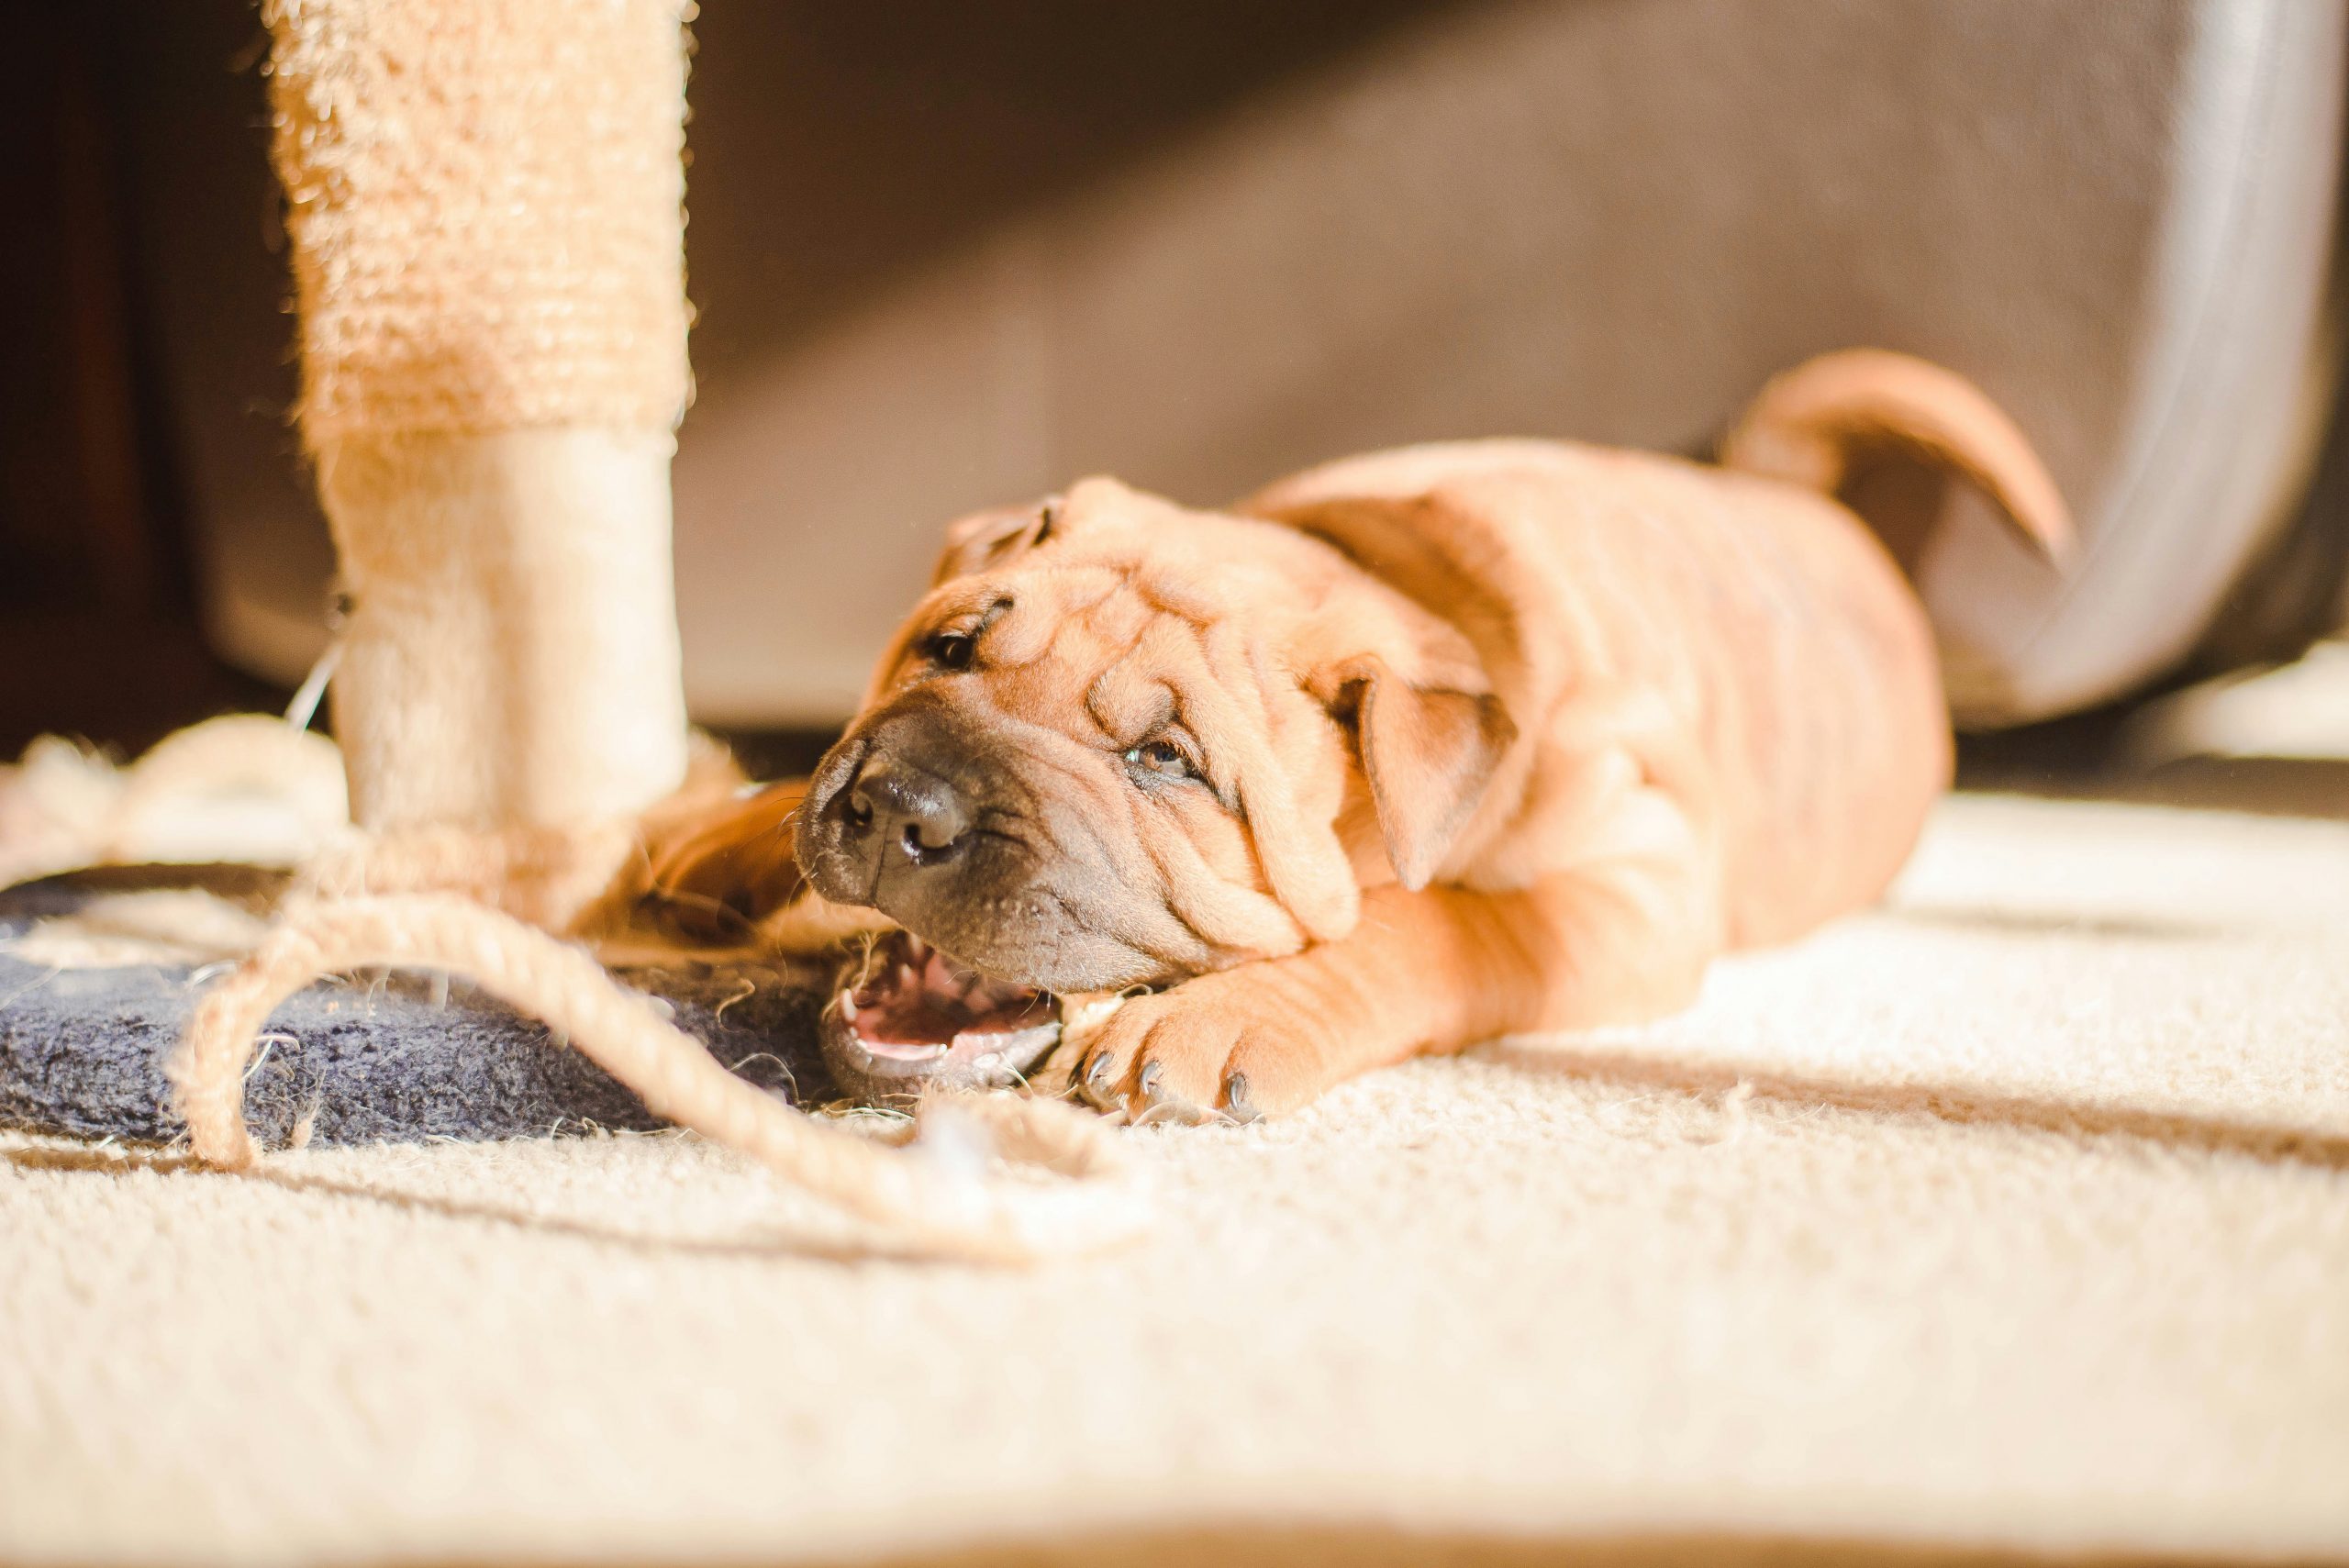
x: 1121, y: 742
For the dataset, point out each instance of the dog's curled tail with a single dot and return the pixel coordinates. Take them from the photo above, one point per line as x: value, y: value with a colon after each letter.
x: 1807, y: 423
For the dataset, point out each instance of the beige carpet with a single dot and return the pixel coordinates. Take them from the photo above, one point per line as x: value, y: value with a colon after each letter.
x: 2012, y: 1218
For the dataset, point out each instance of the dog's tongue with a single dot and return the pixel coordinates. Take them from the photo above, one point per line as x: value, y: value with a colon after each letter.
x: 915, y: 1003
x: 910, y: 1018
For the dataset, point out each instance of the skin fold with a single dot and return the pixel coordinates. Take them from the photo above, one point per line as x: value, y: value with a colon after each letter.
x: 1406, y: 751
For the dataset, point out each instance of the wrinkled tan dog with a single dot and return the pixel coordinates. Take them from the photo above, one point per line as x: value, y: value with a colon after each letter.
x: 1404, y: 753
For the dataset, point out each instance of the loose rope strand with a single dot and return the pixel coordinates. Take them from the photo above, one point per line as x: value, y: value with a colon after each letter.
x: 937, y: 1196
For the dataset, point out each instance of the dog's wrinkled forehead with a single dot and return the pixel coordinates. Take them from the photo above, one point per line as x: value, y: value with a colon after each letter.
x: 1109, y: 516
x: 1079, y: 580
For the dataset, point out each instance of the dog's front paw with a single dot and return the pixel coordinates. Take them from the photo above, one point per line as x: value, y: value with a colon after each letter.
x: 1230, y: 1044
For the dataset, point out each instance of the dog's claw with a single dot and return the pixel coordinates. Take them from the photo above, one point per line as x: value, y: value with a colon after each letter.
x: 1093, y: 1081
x: 1236, y: 1104
x: 1161, y: 1103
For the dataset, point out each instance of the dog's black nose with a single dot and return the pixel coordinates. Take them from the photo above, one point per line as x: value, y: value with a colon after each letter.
x: 909, y: 810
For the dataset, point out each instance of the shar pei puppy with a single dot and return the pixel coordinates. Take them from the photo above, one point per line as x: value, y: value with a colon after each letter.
x: 1404, y: 753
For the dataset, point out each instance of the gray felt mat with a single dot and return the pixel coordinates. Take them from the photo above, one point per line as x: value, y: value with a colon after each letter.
x: 378, y: 1059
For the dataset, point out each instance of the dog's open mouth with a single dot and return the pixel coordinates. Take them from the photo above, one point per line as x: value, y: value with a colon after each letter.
x: 907, y: 1017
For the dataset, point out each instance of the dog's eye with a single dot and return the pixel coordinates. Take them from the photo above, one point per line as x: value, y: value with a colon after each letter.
x: 952, y: 649
x: 1162, y: 757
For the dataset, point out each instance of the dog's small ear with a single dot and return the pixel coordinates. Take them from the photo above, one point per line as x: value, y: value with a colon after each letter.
x: 1428, y: 755
x: 988, y: 539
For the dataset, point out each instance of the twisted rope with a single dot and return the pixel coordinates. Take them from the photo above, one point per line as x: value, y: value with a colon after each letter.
x: 938, y: 1195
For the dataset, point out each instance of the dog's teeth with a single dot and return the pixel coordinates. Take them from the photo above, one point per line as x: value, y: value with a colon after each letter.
x: 848, y: 1005
x: 907, y: 977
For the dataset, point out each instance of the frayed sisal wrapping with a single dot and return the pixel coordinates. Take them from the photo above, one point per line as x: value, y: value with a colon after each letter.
x: 242, y: 787
x: 550, y: 877
x: 485, y: 202
x: 935, y: 1197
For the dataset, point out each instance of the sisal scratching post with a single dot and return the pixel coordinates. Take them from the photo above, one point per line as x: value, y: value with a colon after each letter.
x: 485, y: 203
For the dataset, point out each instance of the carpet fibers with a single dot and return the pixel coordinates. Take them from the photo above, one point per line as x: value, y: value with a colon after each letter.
x: 2010, y: 1219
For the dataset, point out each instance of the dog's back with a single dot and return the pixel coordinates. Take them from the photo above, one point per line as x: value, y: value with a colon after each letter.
x: 1745, y: 639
